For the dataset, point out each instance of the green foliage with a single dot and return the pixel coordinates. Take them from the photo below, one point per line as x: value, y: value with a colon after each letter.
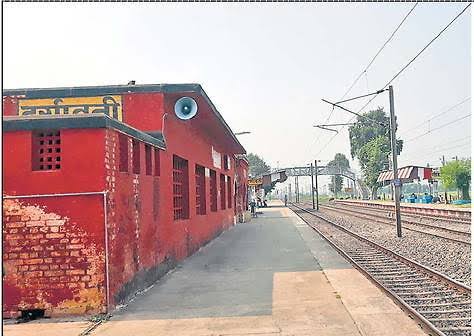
x: 270, y: 187
x: 336, y: 184
x: 370, y: 143
x: 372, y: 157
x: 457, y: 174
x: 341, y: 161
x: 257, y: 166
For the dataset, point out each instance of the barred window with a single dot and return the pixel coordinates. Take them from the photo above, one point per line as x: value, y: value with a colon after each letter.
x: 200, y: 190
x: 46, y: 150
x: 123, y: 153
x: 147, y: 159
x: 226, y: 162
x: 136, y: 156
x: 180, y: 188
x: 213, y: 189
x: 157, y: 162
x: 222, y: 190
x: 229, y: 192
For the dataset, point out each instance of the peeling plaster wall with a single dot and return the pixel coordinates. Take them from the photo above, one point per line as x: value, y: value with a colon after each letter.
x: 53, y: 247
x: 53, y: 258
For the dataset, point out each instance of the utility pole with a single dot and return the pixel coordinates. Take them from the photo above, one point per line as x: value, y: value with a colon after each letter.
x: 312, y: 184
x: 396, y: 182
x: 298, y: 188
x: 316, y: 183
x: 289, y: 193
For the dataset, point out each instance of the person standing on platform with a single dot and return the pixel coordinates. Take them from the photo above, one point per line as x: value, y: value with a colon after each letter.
x: 286, y: 200
x: 253, y: 204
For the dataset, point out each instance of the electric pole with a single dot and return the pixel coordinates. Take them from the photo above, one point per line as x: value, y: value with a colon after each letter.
x: 396, y: 182
x: 312, y: 184
x: 298, y: 187
x: 316, y: 183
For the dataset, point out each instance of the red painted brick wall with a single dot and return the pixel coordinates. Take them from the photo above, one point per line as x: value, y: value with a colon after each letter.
x: 144, y: 239
x: 53, y: 247
x: 53, y: 255
x: 143, y: 111
x: 68, y: 271
x: 242, y: 169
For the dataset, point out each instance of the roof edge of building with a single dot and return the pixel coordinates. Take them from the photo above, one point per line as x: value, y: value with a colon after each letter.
x: 222, y: 121
x: 16, y: 123
x: 79, y: 91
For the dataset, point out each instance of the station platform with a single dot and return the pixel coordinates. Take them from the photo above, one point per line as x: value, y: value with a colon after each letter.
x: 271, y: 276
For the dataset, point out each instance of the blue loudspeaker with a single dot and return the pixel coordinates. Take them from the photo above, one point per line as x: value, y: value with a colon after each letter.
x: 185, y: 108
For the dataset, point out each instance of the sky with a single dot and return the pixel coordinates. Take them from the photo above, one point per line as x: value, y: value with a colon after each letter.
x: 266, y: 66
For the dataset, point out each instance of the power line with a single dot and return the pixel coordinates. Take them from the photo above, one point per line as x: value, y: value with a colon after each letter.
x: 379, y: 51
x: 405, y: 67
x: 439, y: 114
x: 327, y: 144
x: 422, y: 50
x: 368, y: 66
x: 438, y: 146
x: 419, y: 53
x: 442, y: 150
x: 437, y: 128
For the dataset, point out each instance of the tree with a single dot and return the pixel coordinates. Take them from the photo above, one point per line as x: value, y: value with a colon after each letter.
x: 339, y: 161
x: 372, y: 157
x: 257, y: 167
x: 370, y: 143
x: 457, y: 174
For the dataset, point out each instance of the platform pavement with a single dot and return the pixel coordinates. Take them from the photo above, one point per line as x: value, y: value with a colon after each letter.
x: 271, y: 276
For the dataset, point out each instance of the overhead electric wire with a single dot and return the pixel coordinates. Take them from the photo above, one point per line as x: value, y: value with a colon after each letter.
x: 326, y: 144
x: 404, y: 67
x: 418, y: 54
x: 437, y: 115
x: 380, y: 50
x: 440, y: 150
x: 437, y: 128
x: 438, y: 146
x: 370, y: 63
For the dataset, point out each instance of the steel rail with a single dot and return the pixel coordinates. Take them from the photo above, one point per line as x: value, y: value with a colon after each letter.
x: 412, y: 222
x: 379, y: 207
x: 407, y: 214
x: 366, y: 216
x: 413, y: 216
x: 424, y: 323
x: 453, y: 283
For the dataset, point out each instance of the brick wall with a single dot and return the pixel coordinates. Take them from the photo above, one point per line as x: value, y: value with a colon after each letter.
x: 48, y: 261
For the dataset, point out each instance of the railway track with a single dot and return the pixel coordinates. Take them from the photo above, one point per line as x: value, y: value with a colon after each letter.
x: 458, y: 236
x: 438, y: 217
x: 440, y: 304
x: 453, y: 223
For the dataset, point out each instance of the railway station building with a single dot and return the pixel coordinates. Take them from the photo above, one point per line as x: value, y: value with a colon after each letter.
x: 107, y: 188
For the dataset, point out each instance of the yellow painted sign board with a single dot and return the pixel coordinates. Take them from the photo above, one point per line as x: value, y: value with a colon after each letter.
x: 255, y: 182
x: 110, y: 105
